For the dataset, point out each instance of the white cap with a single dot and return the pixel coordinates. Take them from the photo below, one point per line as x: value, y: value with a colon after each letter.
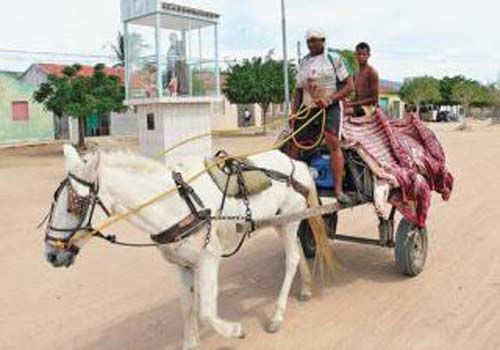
x: 315, y: 33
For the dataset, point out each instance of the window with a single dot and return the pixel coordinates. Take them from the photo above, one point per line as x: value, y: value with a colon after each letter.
x: 20, y: 110
x: 150, y: 121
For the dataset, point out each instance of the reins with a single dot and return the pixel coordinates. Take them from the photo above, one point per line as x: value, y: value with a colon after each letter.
x: 112, y: 219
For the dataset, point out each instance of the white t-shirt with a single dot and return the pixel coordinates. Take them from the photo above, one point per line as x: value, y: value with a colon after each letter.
x: 318, y: 77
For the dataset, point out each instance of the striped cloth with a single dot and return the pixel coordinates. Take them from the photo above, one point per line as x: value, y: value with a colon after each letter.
x: 406, y: 154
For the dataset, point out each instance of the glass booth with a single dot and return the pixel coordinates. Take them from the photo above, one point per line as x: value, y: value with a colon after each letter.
x: 170, y: 50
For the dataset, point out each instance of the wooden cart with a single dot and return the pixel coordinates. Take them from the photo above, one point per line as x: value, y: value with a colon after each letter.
x: 410, y: 242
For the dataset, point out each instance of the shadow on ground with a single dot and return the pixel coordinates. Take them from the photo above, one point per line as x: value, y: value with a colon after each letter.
x: 159, y: 327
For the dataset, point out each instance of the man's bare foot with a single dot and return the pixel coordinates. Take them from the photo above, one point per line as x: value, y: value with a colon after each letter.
x: 342, y: 198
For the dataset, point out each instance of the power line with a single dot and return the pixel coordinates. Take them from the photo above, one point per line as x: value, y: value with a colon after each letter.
x: 51, y: 53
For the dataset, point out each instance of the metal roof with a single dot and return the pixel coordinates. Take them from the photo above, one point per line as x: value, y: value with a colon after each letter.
x: 179, y: 17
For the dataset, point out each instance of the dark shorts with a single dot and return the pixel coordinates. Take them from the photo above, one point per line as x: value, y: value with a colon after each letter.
x: 333, y: 119
x: 333, y: 123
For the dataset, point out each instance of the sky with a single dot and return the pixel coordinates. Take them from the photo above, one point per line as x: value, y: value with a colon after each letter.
x: 408, y: 38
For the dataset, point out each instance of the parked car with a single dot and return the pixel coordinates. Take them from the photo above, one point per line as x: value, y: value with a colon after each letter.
x: 429, y: 113
x: 446, y: 116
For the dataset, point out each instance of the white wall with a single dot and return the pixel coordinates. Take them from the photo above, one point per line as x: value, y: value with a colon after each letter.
x: 175, y: 122
x: 73, y: 130
x: 123, y: 124
x: 225, y: 116
x: 228, y: 118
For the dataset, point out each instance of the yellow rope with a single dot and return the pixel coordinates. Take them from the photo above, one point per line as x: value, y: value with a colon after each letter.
x: 301, y: 114
x: 183, y: 142
x: 118, y: 217
x: 226, y: 132
x: 317, y: 142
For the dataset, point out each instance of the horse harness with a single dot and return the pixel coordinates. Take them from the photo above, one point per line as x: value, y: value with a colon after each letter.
x: 83, y: 207
x: 201, y: 217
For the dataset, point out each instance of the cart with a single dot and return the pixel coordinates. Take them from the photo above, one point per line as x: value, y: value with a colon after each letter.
x: 409, y: 242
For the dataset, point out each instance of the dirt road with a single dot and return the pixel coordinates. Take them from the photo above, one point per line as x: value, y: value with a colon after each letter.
x: 117, y: 299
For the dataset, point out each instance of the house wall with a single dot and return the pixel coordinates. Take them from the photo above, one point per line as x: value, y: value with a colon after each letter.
x: 124, y: 124
x: 228, y: 118
x: 225, y: 116
x: 33, y: 76
x: 121, y: 124
x: 395, y: 106
x: 40, y: 125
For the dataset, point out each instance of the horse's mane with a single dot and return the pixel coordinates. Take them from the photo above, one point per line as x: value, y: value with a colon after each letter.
x: 133, y: 162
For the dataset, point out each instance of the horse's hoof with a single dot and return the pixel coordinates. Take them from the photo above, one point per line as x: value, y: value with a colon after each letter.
x: 239, y: 332
x: 273, y: 327
x: 304, y: 297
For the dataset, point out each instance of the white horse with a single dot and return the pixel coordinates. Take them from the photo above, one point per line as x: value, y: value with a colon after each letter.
x: 123, y: 181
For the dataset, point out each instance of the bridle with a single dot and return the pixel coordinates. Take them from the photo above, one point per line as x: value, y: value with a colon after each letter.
x: 83, y: 207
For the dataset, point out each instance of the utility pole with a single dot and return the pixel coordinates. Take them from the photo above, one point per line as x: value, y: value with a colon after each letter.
x: 285, y: 60
x: 299, y: 53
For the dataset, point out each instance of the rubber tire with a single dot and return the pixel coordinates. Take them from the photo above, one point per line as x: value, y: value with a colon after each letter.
x: 406, y: 244
x: 307, y: 238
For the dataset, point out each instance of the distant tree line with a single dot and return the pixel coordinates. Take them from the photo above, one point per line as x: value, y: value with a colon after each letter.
x: 451, y: 91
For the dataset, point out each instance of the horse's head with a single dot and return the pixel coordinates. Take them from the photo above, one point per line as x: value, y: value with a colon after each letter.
x: 73, y: 206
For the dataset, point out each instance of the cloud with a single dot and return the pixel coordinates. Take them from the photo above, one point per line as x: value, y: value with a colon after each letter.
x: 409, y: 38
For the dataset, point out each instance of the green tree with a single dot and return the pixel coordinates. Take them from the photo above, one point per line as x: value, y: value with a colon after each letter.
x: 421, y: 90
x: 467, y: 93
x: 119, y: 50
x: 483, y: 97
x: 258, y: 81
x: 80, y: 96
x: 2, y: 91
x: 446, y: 86
x: 494, y: 99
x: 349, y: 57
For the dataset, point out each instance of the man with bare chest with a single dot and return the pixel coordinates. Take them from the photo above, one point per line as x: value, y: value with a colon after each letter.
x: 366, y: 85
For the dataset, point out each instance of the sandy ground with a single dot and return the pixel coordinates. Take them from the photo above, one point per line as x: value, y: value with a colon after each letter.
x: 117, y: 299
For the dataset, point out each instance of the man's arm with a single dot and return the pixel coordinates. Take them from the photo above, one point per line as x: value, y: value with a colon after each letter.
x: 337, y: 96
x: 297, y: 100
x: 345, y: 91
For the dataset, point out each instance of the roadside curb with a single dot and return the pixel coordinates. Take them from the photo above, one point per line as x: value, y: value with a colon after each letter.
x: 30, y: 144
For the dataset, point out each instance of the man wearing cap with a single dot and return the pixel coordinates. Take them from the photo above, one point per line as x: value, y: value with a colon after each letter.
x: 323, y: 81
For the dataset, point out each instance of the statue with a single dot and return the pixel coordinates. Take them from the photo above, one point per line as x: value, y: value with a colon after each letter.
x: 176, y: 66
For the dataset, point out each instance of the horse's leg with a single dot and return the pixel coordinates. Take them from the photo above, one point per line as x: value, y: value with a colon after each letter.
x: 208, y: 278
x: 305, y: 277
x: 292, y: 251
x: 191, y: 336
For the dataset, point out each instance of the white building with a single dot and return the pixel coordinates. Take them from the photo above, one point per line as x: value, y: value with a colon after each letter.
x: 170, y: 51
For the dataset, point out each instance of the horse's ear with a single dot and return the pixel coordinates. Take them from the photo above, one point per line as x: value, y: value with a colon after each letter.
x: 92, y: 167
x: 71, y: 157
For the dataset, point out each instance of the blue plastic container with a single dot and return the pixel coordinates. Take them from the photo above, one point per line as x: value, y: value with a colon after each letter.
x: 323, y: 172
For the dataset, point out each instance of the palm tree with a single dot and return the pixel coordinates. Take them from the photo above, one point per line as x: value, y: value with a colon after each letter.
x: 119, y: 50
x: 349, y: 58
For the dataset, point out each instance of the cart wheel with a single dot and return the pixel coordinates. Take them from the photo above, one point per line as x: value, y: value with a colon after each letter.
x: 307, y: 238
x: 411, y: 248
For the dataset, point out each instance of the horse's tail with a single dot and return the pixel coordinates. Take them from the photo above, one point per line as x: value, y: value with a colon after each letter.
x: 325, y: 260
